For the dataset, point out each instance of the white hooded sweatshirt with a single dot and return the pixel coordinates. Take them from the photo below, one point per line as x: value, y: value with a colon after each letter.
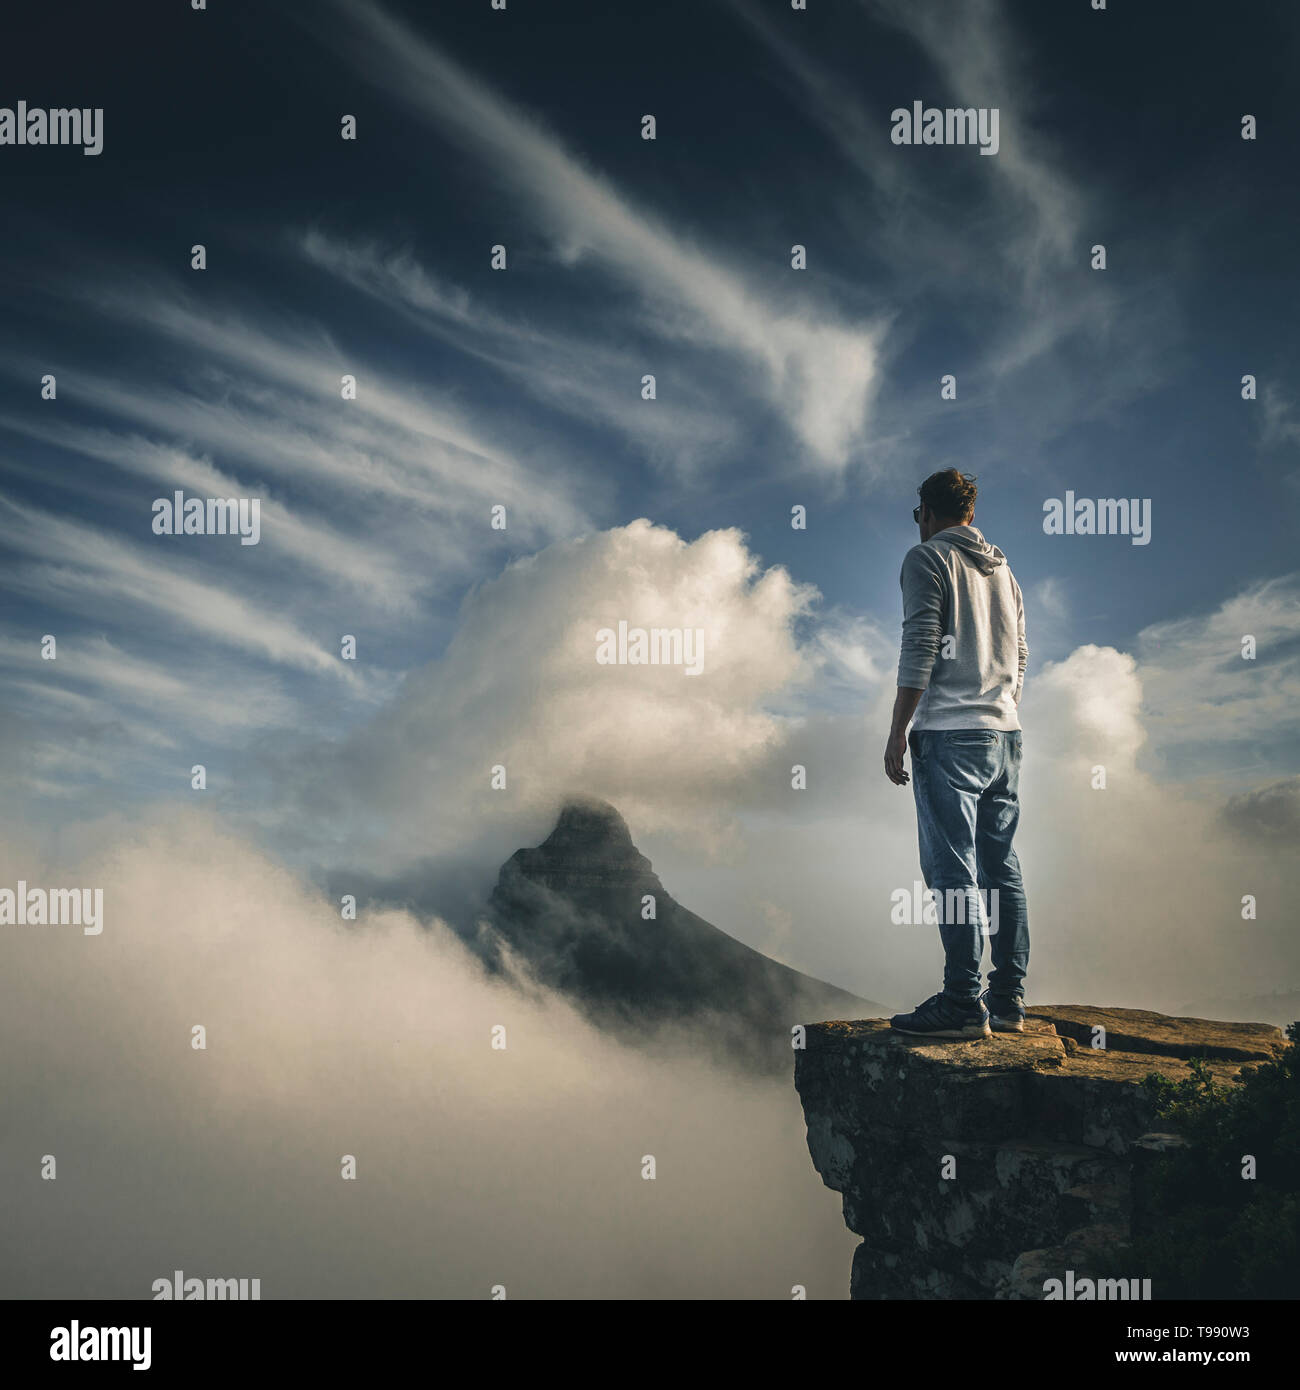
x: 963, y: 633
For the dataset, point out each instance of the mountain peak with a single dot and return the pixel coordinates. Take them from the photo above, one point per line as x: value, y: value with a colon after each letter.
x: 589, y: 849
x: 591, y: 824
x: 587, y: 914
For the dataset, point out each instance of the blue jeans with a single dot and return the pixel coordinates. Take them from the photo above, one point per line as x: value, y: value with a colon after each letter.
x: 966, y: 783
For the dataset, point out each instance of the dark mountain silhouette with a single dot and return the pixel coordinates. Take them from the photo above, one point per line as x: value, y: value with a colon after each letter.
x: 571, y: 911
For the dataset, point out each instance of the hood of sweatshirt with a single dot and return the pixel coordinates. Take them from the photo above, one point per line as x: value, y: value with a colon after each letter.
x: 970, y: 543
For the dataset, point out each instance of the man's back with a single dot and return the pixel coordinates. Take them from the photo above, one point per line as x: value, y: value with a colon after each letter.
x: 958, y: 586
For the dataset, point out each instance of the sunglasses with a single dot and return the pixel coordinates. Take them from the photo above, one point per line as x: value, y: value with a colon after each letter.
x: 916, y: 514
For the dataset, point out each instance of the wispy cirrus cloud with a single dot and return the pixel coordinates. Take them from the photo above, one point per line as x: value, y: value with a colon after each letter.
x: 818, y: 372
x: 82, y: 568
x: 1281, y: 423
x: 1035, y: 231
x: 434, y: 450
x: 682, y: 431
x: 1200, y: 688
x: 981, y: 64
x: 990, y: 263
x: 197, y: 698
x: 315, y: 544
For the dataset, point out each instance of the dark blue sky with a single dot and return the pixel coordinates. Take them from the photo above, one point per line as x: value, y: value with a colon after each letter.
x: 775, y: 387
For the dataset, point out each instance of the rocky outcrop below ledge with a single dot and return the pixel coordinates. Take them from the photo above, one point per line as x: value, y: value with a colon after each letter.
x: 976, y: 1170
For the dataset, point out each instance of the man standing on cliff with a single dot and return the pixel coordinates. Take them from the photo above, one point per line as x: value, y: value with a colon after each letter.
x: 961, y: 671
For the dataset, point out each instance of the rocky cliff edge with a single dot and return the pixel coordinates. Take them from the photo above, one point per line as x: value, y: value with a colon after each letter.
x: 981, y: 1169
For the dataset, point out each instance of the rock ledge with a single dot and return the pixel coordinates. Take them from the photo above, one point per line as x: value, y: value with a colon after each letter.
x: 977, y: 1170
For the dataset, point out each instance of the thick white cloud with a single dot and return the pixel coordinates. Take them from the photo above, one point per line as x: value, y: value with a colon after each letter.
x: 475, y: 1166
x: 1136, y: 889
x: 1092, y: 707
x: 519, y: 686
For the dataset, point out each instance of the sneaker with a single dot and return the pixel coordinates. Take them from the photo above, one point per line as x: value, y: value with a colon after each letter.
x: 941, y: 1017
x: 1006, y: 1015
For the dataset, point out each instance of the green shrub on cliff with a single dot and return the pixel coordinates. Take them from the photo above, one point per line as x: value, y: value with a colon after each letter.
x: 1204, y: 1230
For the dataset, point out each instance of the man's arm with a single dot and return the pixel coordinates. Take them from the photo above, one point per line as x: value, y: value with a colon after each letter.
x: 922, y: 582
x: 905, y: 703
x: 923, y: 592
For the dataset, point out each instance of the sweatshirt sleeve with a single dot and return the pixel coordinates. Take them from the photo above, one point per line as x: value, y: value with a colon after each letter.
x: 923, y: 591
x: 1022, y: 644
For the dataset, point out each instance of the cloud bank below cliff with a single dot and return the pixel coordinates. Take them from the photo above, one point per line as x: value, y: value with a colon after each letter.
x: 476, y: 1167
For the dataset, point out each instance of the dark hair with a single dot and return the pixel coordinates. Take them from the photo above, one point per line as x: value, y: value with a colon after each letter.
x: 949, y: 495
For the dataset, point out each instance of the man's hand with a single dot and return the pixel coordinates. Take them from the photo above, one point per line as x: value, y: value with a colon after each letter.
x: 895, y: 748
x: 905, y: 703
